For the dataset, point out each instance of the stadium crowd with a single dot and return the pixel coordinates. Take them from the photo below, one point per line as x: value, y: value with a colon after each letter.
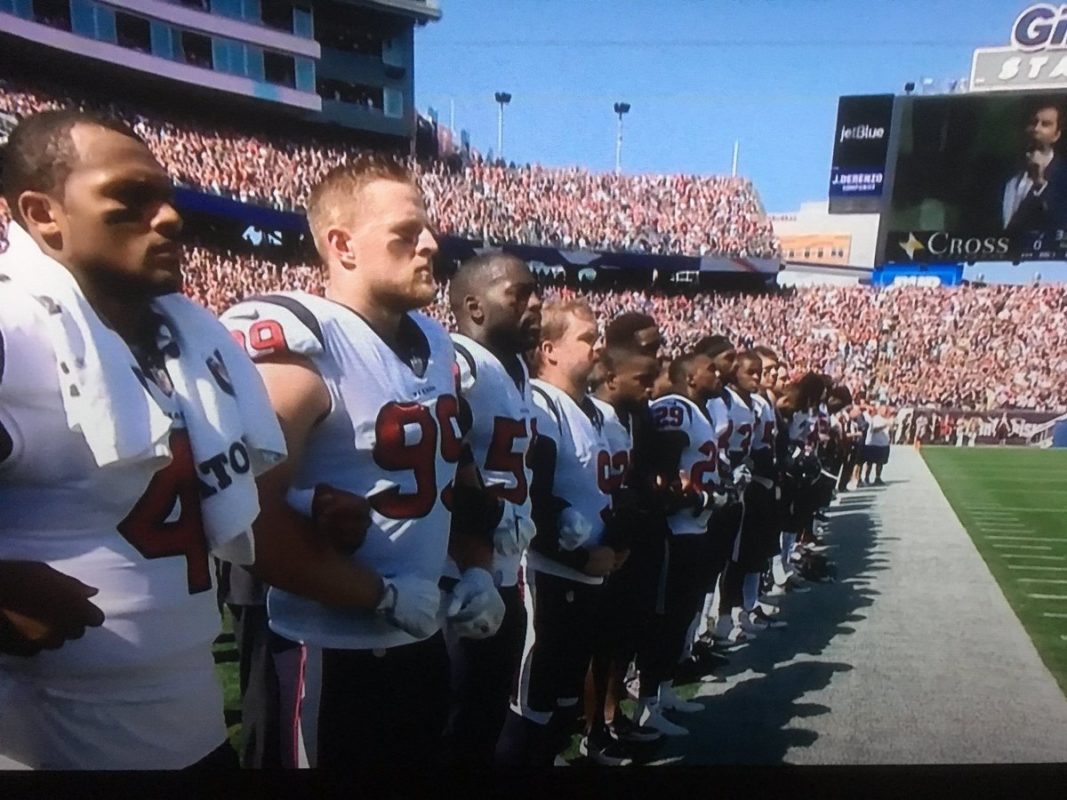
x: 943, y: 347
x: 567, y: 208
x: 477, y: 542
x: 908, y: 346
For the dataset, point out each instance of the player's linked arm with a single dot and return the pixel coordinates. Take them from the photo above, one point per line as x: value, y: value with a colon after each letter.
x: 290, y: 552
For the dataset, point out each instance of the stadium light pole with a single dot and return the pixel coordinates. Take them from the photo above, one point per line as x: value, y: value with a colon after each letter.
x: 620, y: 109
x: 502, y: 99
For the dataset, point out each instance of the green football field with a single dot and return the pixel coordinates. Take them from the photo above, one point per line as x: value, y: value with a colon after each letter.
x: 1013, y: 503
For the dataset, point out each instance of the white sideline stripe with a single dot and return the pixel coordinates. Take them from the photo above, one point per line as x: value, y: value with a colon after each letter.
x: 1030, y: 539
x: 1024, y: 555
x: 1039, y: 509
x: 1048, y: 596
x: 1004, y: 528
x: 1053, y: 615
x: 1023, y: 546
x: 1042, y: 580
x: 1037, y: 569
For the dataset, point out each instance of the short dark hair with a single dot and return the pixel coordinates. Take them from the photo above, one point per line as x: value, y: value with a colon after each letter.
x: 682, y: 367
x: 713, y: 345
x: 1047, y: 102
x: 40, y: 155
x: 622, y: 331
x: 472, y: 275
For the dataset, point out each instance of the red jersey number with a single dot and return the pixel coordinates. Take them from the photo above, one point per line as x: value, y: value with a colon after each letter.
x: 502, y: 457
x: 702, y: 469
x: 174, y: 489
x: 406, y: 439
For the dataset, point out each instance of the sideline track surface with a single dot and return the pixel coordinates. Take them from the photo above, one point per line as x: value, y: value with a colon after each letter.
x: 912, y: 657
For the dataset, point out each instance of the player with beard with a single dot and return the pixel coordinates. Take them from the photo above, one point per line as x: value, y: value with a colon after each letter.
x: 131, y: 428
x: 366, y: 394
x: 689, y: 465
x: 569, y: 557
x: 622, y: 393
x: 495, y: 301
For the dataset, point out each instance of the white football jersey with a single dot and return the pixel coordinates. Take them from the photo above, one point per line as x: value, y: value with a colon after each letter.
x: 766, y: 423
x: 615, y: 463
x: 500, y: 437
x: 581, y: 449
x: 718, y: 409
x: 743, y: 421
x: 140, y: 691
x: 700, y: 458
x: 392, y: 435
x: 801, y: 428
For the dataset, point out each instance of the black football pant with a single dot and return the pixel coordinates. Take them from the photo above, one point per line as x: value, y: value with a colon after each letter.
x: 683, y: 594
x: 482, y: 674
x: 551, y: 678
x: 261, y: 724
x: 382, y: 709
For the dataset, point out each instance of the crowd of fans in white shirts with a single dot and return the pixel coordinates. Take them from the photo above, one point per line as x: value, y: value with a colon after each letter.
x: 567, y: 208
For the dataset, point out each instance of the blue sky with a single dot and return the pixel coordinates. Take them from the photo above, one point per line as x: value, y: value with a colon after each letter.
x: 698, y: 75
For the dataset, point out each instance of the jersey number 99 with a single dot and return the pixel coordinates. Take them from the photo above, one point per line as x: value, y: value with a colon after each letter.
x: 406, y: 439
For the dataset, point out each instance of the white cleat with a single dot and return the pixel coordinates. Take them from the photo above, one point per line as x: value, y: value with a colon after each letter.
x: 650, y: 715
x: 669, y: 701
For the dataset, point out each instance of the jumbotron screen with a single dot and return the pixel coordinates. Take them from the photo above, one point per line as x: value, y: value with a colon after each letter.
x: 978, y: 177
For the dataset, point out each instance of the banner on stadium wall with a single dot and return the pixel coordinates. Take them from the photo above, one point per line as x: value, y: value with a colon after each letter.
x: 917, y: 275
x: 1035, y: 59
x: 460, y: 249
x: 965, y: 428
x: 861, y: 143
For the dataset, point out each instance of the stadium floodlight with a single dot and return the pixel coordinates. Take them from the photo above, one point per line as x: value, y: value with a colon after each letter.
x: 620, y: 109
x: 909, y: 87
x: 502, y: 99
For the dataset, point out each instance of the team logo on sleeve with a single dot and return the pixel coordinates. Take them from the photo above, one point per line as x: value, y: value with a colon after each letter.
x: 218, y: 370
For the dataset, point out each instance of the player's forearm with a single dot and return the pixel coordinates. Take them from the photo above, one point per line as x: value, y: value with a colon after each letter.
x: 291, y: 557
x: 470, y: 551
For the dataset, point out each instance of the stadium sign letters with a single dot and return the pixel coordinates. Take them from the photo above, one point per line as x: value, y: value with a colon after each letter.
x: 858, y: 168
x: 1036, y: 59
x: 942, y: 245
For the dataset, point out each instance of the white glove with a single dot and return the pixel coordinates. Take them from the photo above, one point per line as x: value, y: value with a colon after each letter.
x: 412, y: 604
x: 742, y: 476
x: 477, y: 609
x: 574, y: 528
x: 515, y: 535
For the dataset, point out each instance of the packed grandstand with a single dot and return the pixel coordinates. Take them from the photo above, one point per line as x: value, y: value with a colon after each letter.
x: 907, y: 346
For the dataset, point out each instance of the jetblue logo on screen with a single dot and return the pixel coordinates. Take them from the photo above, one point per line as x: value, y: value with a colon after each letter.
x: 1039, y: 27
x: 861, y: 133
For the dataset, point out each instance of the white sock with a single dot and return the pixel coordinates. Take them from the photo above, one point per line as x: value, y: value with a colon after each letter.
x: 777, y: 569
x: 750, y: 590
x: 789, y: 543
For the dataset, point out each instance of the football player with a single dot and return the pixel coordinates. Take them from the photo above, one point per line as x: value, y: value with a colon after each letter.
x: 622, y: 393
x: 365, y: 391
x: 568, y: 558
x: 131, y: 429
x: 751, y: 439
x: 495, y: 301
x: 690, y: 466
